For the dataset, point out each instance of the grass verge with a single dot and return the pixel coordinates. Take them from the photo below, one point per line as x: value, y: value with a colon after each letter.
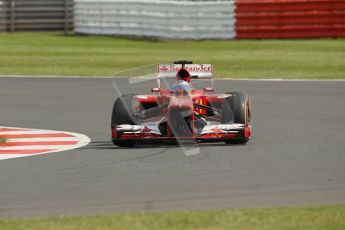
x: 323, y: 217
x: 55, y: 54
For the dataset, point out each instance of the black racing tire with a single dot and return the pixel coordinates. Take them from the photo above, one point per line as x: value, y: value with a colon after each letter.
x: 123, y: 111
x: 125, y: 144
x: 240, y: 141
x: 236, y: 109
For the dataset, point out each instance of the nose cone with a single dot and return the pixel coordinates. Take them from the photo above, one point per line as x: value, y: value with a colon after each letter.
x: 179, y: 116
x: 177, y: 102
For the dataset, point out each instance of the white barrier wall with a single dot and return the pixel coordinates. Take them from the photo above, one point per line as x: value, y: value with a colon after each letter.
x: 156, y: 18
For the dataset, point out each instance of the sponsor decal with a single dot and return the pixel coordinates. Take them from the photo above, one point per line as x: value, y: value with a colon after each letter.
x: 163, y: 68
x: 190, y: 67
x: 199, y: 68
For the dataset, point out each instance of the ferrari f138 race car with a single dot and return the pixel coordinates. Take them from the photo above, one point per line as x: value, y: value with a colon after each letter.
x: 180, y: 109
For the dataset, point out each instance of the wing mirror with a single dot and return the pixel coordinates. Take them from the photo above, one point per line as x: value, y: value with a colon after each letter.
x: 155, y: 90
x: 209, y: 89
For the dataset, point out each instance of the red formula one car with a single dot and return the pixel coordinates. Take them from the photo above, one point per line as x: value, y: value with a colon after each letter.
x: 179, y: 109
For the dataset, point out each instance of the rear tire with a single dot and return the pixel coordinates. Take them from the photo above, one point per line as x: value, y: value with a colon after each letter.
x: 236, y: 109
x: 123, y: 113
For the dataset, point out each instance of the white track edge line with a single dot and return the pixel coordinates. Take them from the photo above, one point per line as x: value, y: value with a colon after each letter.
x: 41, y: 139
x: 36, y: 147
x: 30, y: 132
x: 83, y: 141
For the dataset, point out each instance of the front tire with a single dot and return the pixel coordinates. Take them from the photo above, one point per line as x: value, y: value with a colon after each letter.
x: 125, y: 144
x: 237, y: 109
x: 123, y: 113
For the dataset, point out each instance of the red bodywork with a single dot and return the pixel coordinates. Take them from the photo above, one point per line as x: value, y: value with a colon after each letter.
x: 167, y: 102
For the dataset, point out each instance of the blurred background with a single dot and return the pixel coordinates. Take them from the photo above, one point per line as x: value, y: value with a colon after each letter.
x: 192, y: 19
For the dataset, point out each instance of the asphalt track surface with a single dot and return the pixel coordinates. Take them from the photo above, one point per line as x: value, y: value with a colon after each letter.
x: 296, y: 156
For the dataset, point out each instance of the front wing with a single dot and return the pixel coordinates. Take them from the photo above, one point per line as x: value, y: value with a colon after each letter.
x: 210, y: 133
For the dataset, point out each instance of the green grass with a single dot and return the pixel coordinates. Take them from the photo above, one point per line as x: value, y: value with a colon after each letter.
x: 55, y: 54
x: 310, y: 218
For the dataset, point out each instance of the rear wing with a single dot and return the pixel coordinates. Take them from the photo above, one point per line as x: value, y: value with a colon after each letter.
x: 197, y: 71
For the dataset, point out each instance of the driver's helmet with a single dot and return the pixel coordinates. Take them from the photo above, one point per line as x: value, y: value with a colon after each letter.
x: 181, y: 87
x: 183, y: 74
